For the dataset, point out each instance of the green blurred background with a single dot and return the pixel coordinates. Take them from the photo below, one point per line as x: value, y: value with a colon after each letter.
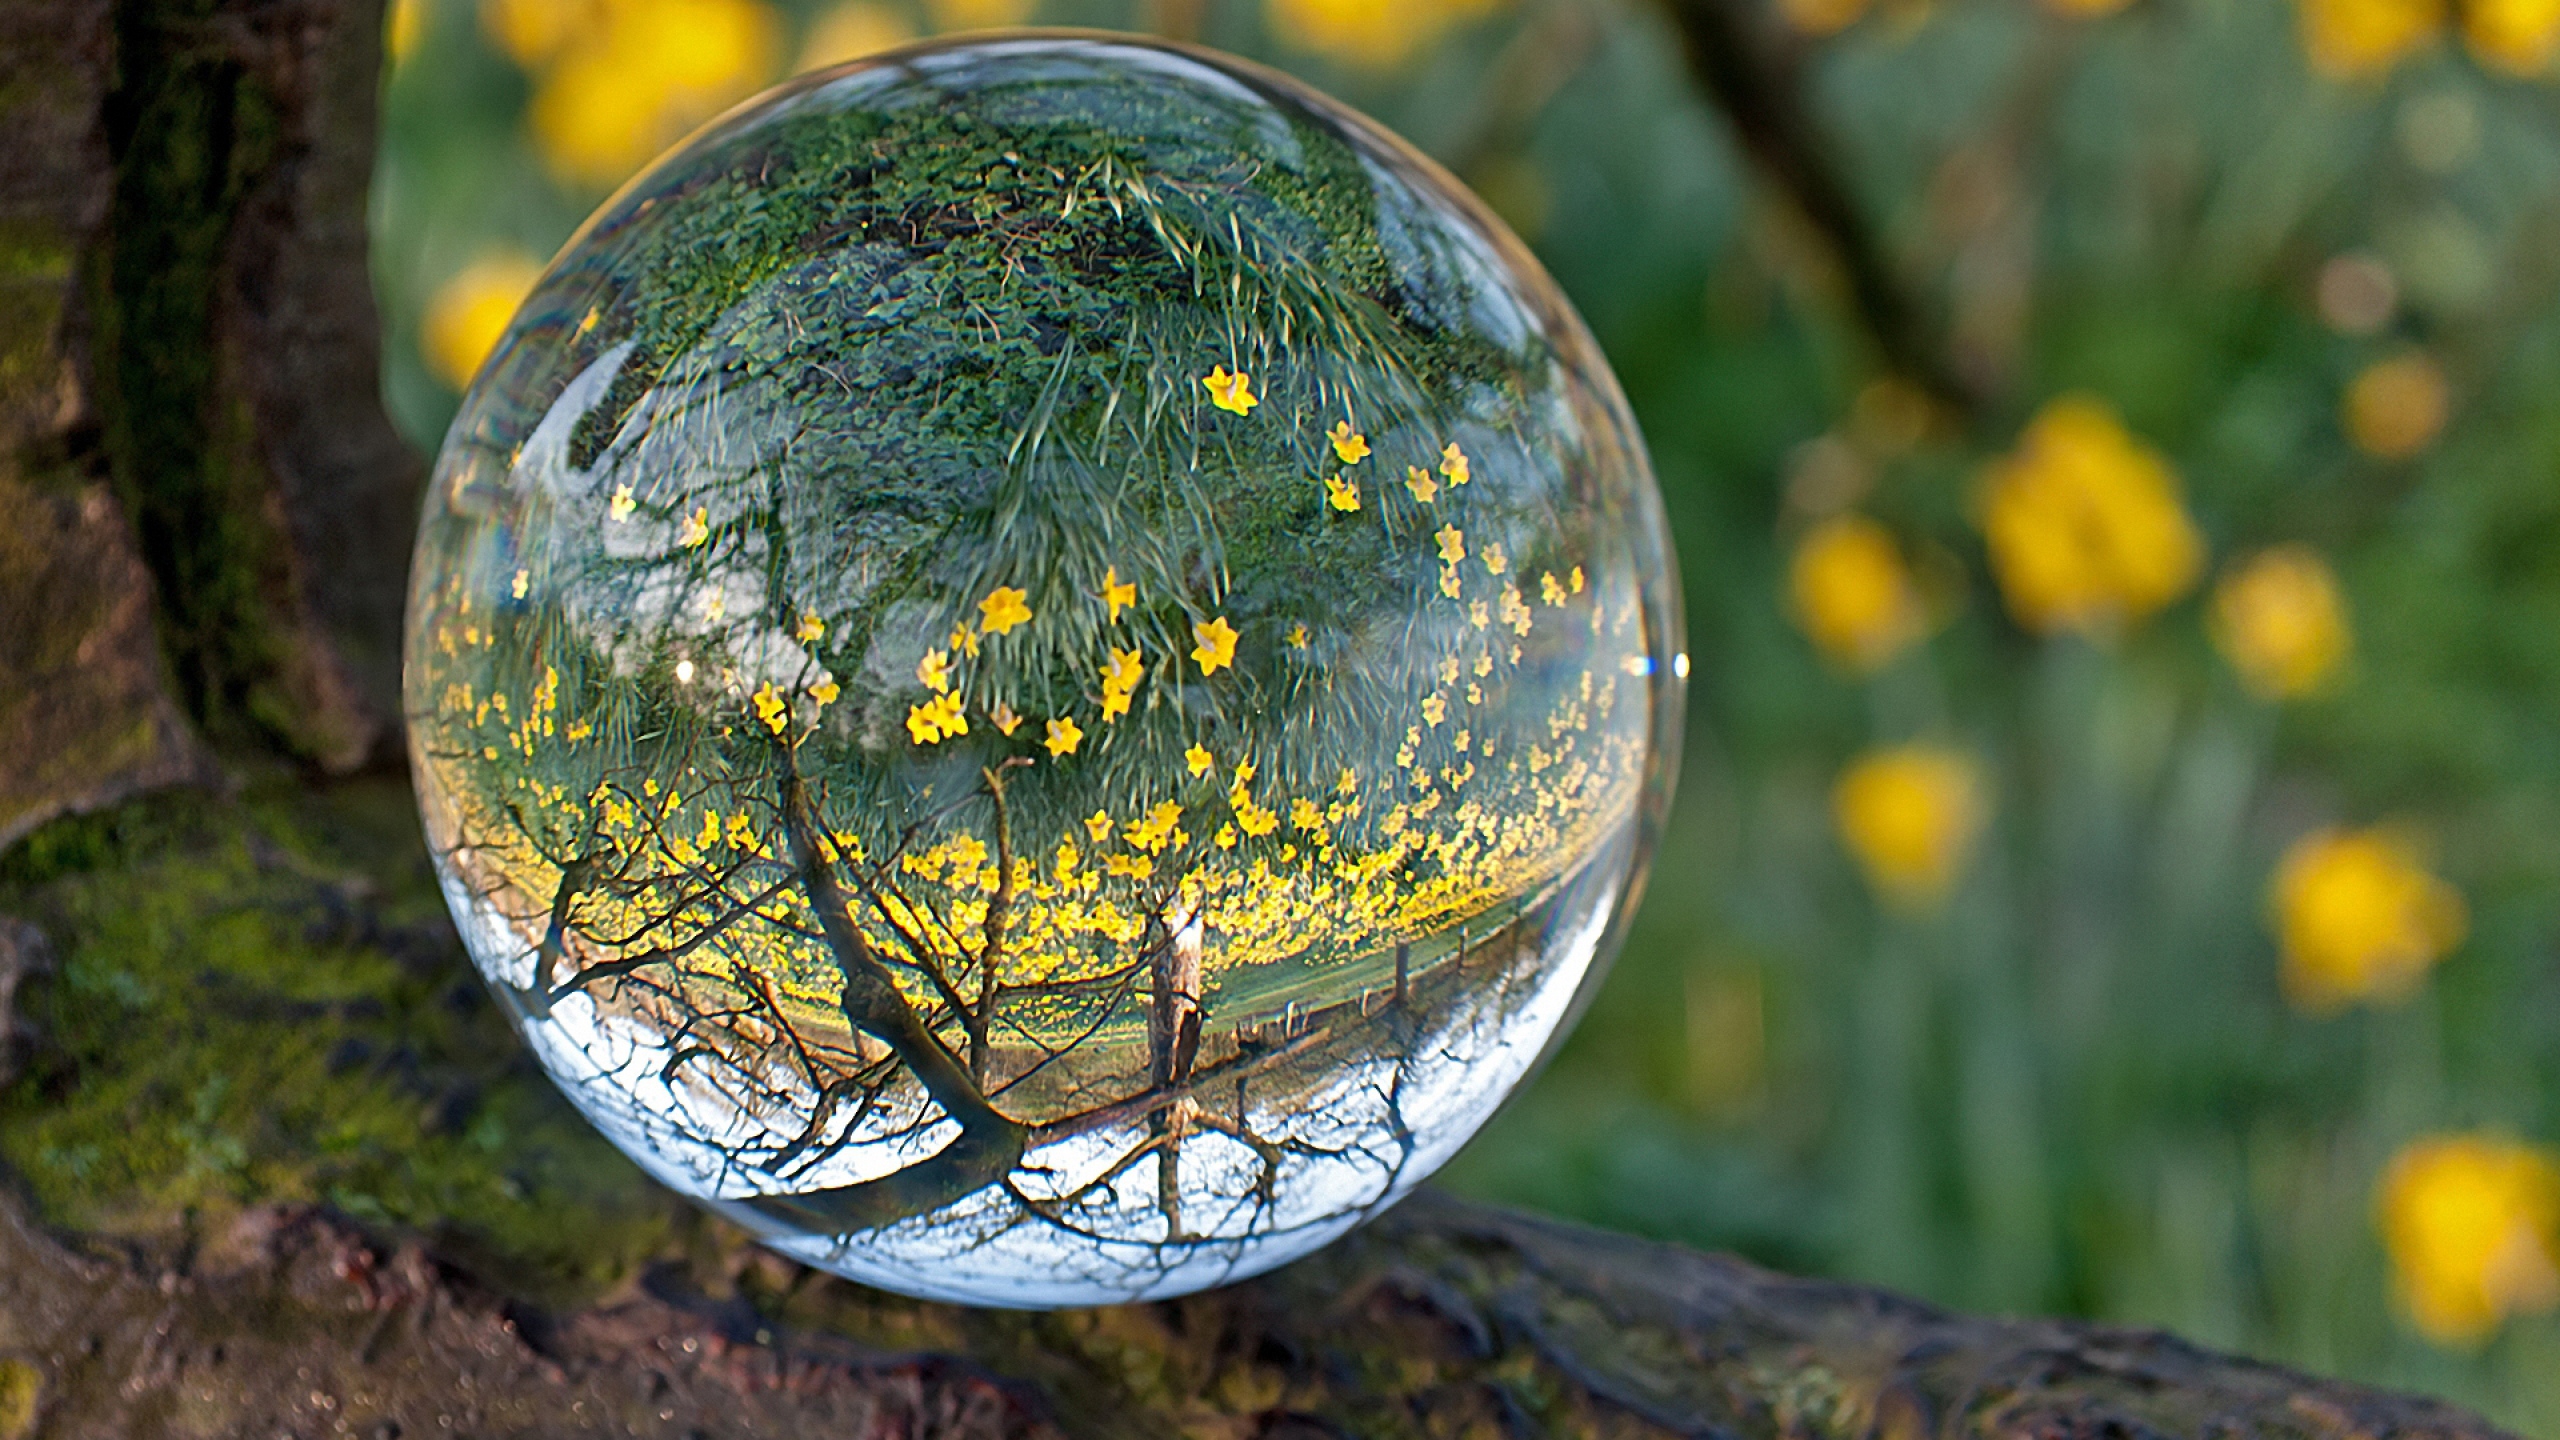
x: 2117, y: 865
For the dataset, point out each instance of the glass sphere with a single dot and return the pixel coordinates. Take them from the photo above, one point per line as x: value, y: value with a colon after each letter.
x: 1041, y: 668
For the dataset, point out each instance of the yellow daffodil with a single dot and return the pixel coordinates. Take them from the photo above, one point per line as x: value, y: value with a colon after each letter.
x: 2361, y: 39
x: 2472, y: 1226
x: 1349, y: 446
x: 1341, y: 493
x: 771, y: 708
x: 1495, y: 562
x: 936, y: 720
x: 825, y: 691
x: 1449, y: 581
x: 621, y: 506
x: 1217, y: 645
x: 2085, y: 524
x: 1850, y: 592
x: 1434, y: 709
x: 696, y: 528
x: 1006, y: 721
x: 810, y: 630
x: 1453, y: 544
x: 1064, y: 736
x: 1199, y: 760
x: 964, y: 639
x: 1231, y: 393
x: 470, y: 311
x: 1298, y: 638
x: 1122, y: 670
x: 2280, y: 620
x: 1003, y: 609
x: 933, y: 672
x: 1419, y: 481
x: 1117, y: 593
x: 1453, y: 463
x: 2360, y: 917
x: 2395, y: 408
x: 1909, y: 815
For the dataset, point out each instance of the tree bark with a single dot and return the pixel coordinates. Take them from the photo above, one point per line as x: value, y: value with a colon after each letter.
x: 208, y: 521
x: 1441, y: 1319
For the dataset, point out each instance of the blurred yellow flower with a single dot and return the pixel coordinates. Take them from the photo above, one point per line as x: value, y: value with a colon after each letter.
x: 2355, y: 39
x: 1909, y: 814
x: 2280, y: 620
x: 1821, y: 17
x: 2395, y: 408
x: 2085, y: 524
x: 2085, y: 9
x: 470, y: 311
x: 851, y: 31
x: 2472, y: 1225
x: 2517, y: 36
x: 2359, y: 917
x: 401, y: 26
x: 1850, y: 591
x: 949, y: 15
x: 1379, y: 34
x: 616, y: 81
x: 531, y: 32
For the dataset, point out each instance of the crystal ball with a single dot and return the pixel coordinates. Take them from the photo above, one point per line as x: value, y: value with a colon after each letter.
x: 1041, y: 667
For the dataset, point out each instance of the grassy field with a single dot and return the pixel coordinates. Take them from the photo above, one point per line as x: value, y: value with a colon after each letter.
x: 2118, y: 865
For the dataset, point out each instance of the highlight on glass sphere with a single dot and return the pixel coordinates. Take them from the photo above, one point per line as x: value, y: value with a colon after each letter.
x: 1041, y: 668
